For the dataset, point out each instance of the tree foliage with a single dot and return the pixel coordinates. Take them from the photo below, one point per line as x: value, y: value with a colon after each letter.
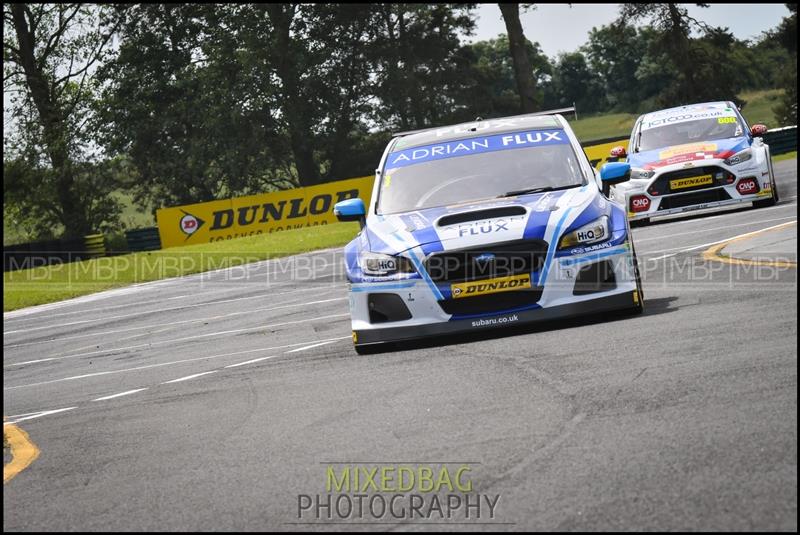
x: 195, y: 102
x: 786, y: 34
x: 50, y: 171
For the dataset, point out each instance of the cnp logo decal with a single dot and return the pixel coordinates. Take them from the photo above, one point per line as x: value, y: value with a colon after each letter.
x: 190, y: 224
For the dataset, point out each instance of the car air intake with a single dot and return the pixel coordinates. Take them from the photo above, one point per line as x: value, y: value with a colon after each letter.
x: 384, y: 308
x: 486, y: 304
x: 691, y: 199
x: 480, y: 215
x: 597, y: 277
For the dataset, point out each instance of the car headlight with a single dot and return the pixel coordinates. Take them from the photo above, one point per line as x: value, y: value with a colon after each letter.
x: 739, y: 157
x: 377, y: 264
x: 642, y: 173
x: 594, y: 232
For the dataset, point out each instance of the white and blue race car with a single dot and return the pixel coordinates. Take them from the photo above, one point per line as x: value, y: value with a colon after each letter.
x: 486, y: 224
x: 693, y: 158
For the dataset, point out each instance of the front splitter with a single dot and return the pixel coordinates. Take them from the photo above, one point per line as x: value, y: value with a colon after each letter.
x: 621, y: 301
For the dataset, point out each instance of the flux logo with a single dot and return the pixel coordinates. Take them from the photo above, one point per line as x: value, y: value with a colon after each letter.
x: 190, y: 224
x: 476, y: 229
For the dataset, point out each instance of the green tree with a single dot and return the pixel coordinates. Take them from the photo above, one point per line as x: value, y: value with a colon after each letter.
x: 188, y: 108
x: 786, y: 111
x: 490, y: 88
x: 523, y: 71
x: 50, y: 167
x: 697, y: 78
x: 573, y: 82
x: 416, y: 62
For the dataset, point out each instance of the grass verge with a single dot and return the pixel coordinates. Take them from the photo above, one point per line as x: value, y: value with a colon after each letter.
x: 47, y: 284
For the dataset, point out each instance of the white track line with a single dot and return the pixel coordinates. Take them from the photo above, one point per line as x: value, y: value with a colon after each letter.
x: 311, y: 346
x: 112, y: 396
x: 170, y: 323
x: 640, y: 240
x: 701, y: 246
x: 38, y: 415
x: 31, y: 415
x: 155, y: 301
x: 113, y: 351
x: 148, y: 366
x: 249, y: 362
x: 285, y: 305
x: 193, y: 376
x: 14, y: 417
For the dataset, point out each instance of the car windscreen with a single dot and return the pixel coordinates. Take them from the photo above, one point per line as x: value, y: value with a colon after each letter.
x: 476, y: 168
x: 691, y: 131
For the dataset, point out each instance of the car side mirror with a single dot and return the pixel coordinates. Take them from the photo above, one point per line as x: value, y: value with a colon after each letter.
x: 614, y: 173
x: 619, y: 152
x: 758, y: 130
x: 351, y: 210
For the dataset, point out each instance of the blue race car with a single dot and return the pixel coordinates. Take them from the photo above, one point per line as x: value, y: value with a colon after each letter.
x: 486, y: 224
x: 693, y: 158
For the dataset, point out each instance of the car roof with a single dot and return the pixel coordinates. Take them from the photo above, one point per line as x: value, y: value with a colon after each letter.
x: 478, y: 128
x: 688, y: 109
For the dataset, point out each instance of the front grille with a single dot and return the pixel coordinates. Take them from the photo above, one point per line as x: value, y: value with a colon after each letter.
x: 690, y: 199
x: 487, y: 262
x: 661, y: 186
x: 484, y: 304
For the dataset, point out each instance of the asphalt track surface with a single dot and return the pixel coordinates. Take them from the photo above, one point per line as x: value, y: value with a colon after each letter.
x: 684, y: 417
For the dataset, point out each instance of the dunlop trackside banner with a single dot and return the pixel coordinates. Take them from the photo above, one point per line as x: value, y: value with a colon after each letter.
x: 288, y: 209
x: 257, y: 214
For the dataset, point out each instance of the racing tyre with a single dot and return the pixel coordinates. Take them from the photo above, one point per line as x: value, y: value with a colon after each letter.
x: 772, y: 201
x: 638, y: 306
x: 369, y: 349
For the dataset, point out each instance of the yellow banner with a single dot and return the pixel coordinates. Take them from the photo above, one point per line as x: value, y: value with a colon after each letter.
x: 600, y: 154
x: 258, y: 214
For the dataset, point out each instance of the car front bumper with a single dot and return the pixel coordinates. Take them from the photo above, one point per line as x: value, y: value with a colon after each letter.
x: 556, y: 297
x: 712, y: 196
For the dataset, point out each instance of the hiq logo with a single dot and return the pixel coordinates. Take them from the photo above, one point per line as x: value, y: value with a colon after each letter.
x: 190, y: 224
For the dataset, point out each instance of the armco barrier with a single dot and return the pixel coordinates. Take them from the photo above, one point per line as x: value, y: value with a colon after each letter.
x: 43, y: 253
x: 781, y: 140
x: 143, y: 239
